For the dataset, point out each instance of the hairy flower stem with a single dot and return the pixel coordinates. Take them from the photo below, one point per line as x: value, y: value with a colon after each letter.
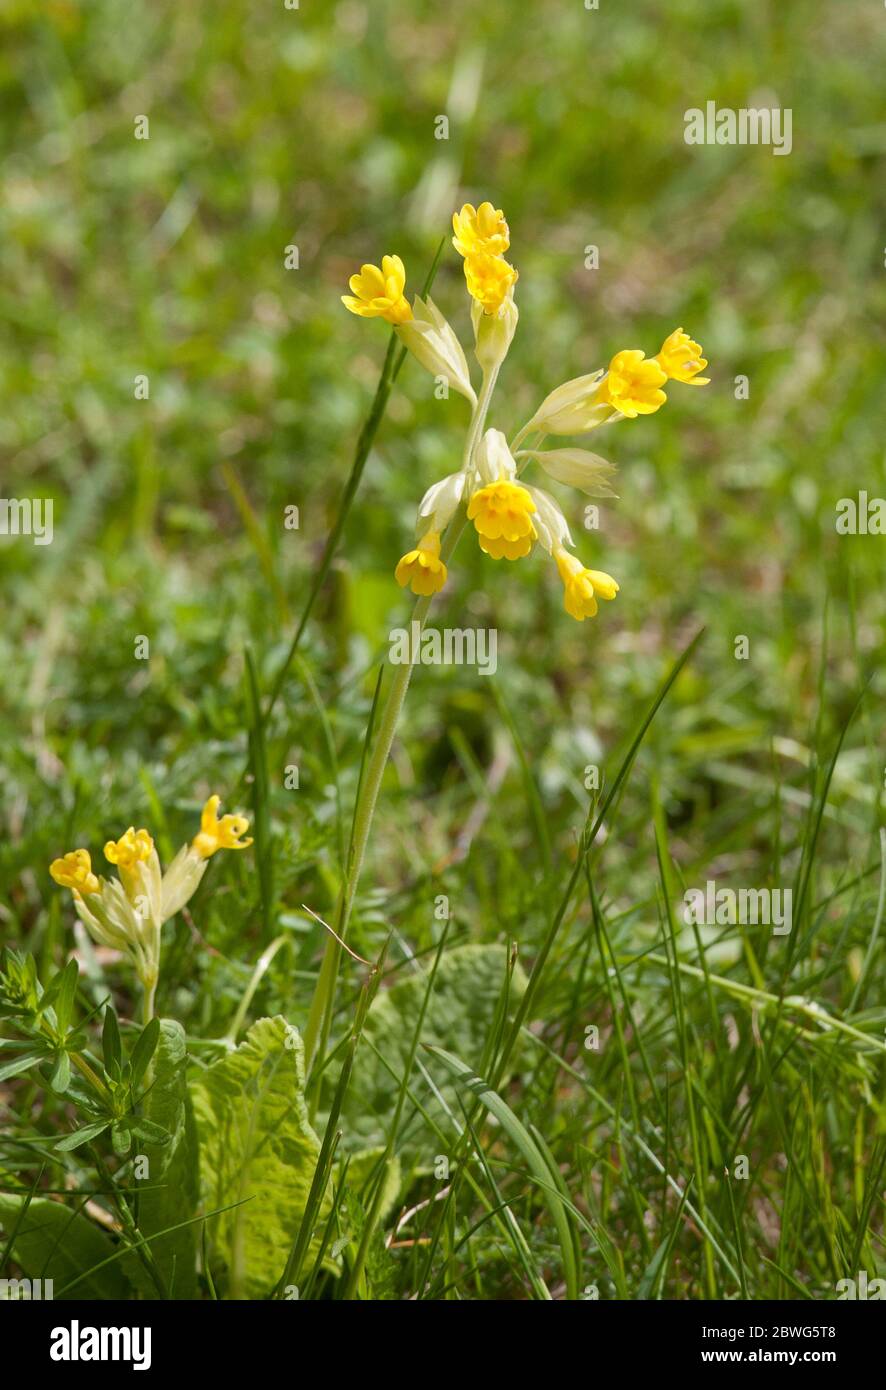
x: 319, y: 1023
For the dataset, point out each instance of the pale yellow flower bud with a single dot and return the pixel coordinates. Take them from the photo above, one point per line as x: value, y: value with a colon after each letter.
x: 494, y: 333
x: 432, y: 341
x: 575, y: 468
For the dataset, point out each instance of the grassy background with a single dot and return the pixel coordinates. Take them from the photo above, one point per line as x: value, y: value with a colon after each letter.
x: 315, y: 127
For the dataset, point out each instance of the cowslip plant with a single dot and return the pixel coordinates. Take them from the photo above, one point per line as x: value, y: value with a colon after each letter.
x: 510, y: 516
x: 128, y: 913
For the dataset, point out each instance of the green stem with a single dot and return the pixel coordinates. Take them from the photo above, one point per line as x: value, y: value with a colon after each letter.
x: 320, y: 1017
x: 319, y: 1023
x: 519, y: 437
x: 148, y: 1002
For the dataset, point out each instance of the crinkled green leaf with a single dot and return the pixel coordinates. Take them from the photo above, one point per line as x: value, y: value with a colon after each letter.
x: 257, y: 1148
x: 171, y: 1183
x: 460, y: 1016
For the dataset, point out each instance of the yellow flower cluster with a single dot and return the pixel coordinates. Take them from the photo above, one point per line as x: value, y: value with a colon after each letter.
x: 127, y: 913
x: 511, y: 516
x: 501, y: 515
x: 74, y: 869
x: 633, y: 384
x: 482, y: 237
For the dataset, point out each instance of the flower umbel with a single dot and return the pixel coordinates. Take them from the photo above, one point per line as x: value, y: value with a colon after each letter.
x: 633, y: 384
x: 74, y: 871
x: 681, y: 360
x: 582, y: 587
x: 509, y: 516
x: 378, y: 294
x: 501, y: 513
x: 128, y: 913
x: 421, y: 568
x: 480, y: 229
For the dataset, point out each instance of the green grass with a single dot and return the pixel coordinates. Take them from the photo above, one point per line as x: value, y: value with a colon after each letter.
x: 608, y: 1170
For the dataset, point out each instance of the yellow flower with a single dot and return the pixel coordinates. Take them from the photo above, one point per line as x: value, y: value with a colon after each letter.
x: 633, y: 384
x: 218, y: 834
x: 680, y: 359
x: 132, y: 848
x: 480, y: 229
x: 421, y: 568
x: 501, y: 513
x: 490, y: 280
x: 379, y: 293
x: 74, y: 871
x: 581, y: 586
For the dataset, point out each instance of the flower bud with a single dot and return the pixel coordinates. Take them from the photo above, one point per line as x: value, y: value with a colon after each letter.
x: 440, y: 502
x: 576, y: 468
x: 571, y: 408
x: 493, y: 458
x: 550, y: 523
x: 431, y: 339
x: 494, y: 333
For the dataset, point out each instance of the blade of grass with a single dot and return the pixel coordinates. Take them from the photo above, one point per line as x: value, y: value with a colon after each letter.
x: 589, y: 835
x: 373, y: 1215
x: 524, y: 1142
x: 258, y: 762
